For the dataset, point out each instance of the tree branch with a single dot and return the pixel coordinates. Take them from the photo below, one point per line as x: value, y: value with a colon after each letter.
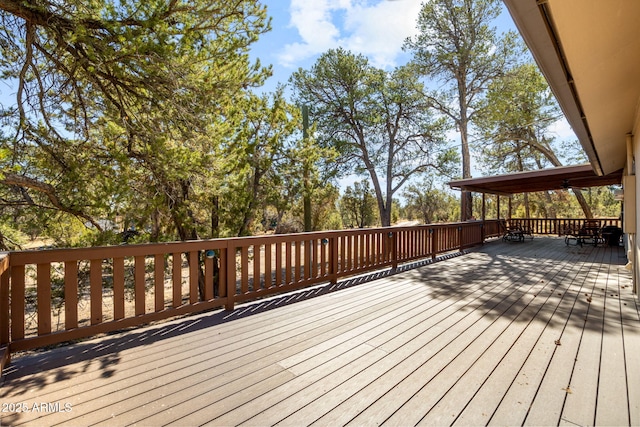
x: 12, y: 179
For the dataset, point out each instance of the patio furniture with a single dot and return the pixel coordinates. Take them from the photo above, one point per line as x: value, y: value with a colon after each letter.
x: 589, y: 233
x: 611, y: 235
x: 514, y: 234
x: 526, y: 231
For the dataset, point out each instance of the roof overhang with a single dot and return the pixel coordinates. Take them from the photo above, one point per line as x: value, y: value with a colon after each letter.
x: 580, y: 176
x: 589, y: 52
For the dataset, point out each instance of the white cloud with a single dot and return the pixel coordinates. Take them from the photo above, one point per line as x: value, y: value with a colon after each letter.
x: 563, y: 130
x: 375, y: 28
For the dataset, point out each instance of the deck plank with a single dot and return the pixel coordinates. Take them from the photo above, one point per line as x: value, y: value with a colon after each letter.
x: 581, y: 393
x: 328, y: 383
x: 515, y: 406
x: 230, y: 369
x: 470, y: 340
x: 429, y: 358
x: 612, y: 405
x: 546, y: 407
x: 425, y: 316
x: 493, y: 370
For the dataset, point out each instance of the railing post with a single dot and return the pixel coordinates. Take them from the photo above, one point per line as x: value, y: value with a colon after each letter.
x: 5, y: 351
x: 334, y: 259
x: 393, y: 243
x: 231, y: 275
x: 17, y: 302
x: 433, y: 236
x: 4, y: 299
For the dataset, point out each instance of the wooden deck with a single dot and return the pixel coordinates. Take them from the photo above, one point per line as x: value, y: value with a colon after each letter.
x: 513, y: 333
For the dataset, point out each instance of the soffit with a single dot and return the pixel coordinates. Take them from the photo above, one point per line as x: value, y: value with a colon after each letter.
x: 589, y: 51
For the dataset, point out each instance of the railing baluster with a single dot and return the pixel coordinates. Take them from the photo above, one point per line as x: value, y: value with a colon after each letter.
x: 176, y: 279
x: 347, y: 253
x: 257, y: 260
x: 244, y: 269
x: 341, y: 265
x: 288, y: 266
x: 5, y: 319
x: 17, y: 302
x: 158, y: 282
x: 336, y: 244
x: 139, y: 279
x: 194, y: 276
x: 95, y: 285
x: 278, y: 265
x: 324, y: 246
x: 43, y: 289
x: 223, y: 273
x: 298, y: 264
x: 208, y: 277
x: 231, y: 275
x: 366, y: 249
x: 118, y: 288
x: 71, y: 294
x: 268, y: 276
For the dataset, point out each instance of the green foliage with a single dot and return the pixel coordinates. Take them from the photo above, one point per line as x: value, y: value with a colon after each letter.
x: 358, y: 206
x: 11, y: 238
x: 122, y: 108
x: 250, y: 176
x: 515, y: 119
x: 325, y: 214
x: 379, y: 122
x: 458, y: 49
x: 141, y: 114
x: 563, y: 204
x: 515, y: 122
x: 430, y: 204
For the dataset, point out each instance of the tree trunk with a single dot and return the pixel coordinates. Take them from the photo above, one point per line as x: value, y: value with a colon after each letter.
x: 186, y: 228
x: 306, y: 191
x: 527, y: 208
x: 155, y: 226
x: 466, y: 208
x: 215, y: 217
x: 586, y: 209
x: 583, y: 203
x: 551, y: 210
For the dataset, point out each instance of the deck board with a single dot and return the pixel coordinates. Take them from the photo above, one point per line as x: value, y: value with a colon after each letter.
x: 511, y: 333
x: 612, y: 407
x: 581, y: 391
x: 515, y: 405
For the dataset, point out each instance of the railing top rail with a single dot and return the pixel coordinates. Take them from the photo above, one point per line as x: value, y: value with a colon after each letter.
x: 149, y: 249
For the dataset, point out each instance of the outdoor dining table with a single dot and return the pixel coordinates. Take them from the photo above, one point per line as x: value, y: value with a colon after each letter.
x: 589, y: 233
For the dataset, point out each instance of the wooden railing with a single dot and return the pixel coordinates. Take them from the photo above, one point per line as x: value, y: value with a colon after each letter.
x: 4, y: 310
x: 558, y: 226
x: 51, y: 296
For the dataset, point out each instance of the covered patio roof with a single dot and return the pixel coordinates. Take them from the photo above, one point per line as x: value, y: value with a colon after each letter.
x: 579, y: 176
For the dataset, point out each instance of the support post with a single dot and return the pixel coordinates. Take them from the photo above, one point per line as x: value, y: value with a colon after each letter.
x: 484, y: 216
x: 394, y: 250
x: 231, y: 276
x: 334, y: 259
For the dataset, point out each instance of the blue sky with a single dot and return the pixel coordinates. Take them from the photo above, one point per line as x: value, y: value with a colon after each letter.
x: 304, y: 29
